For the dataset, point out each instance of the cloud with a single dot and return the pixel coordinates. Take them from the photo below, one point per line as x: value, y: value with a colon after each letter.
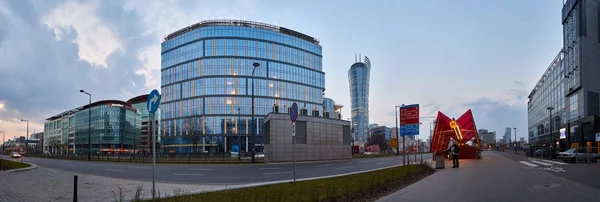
x: 519, y: 83
x: 497, y: 115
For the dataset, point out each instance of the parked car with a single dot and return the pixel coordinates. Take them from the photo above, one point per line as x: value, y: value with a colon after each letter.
x: 15, y: 155
x: 541, y: 153
x: 574, y: 155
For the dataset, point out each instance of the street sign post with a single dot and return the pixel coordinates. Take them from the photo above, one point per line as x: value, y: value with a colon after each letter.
x: 409, y: 124
x: 152, y: 104
x: 293, y: 117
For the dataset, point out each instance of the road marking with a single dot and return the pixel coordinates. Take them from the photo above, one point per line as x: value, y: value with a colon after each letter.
x: 527, y: 163
x: 269, y: 168
x: 555, y: 162
x: 325, y: 165
x: 137, y: 167
x: 69, y: 165
x: 201, y: 169
x: 345, y: 167
x: 189, y: 174
x: 115, y: 170
x: 553, y: 169
x: 279, y: 173
x: 542, y: 163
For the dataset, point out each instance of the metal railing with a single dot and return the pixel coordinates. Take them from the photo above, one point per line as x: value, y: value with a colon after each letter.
x: 222, y: 157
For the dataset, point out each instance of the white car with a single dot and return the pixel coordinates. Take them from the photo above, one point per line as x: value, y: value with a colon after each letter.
x: 15, y: 155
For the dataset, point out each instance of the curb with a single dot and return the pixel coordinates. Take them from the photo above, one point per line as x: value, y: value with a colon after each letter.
x: 31, y: 167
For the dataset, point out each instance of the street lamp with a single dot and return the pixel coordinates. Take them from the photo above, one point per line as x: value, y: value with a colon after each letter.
x: 26, y: 137
x: 397, y: 131
x: 255, y: 65
x: 89, y: 125
x: 551, y: 138
x: 238, y: 133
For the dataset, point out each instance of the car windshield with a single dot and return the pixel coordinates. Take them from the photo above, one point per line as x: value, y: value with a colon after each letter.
x: 570, y: 151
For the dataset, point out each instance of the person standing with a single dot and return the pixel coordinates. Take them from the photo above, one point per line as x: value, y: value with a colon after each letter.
x: 454, y: 153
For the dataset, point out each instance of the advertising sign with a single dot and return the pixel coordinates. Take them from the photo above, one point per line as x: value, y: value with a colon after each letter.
x: 597, y: 137
x: 563, y: 133
x: 409, y: 120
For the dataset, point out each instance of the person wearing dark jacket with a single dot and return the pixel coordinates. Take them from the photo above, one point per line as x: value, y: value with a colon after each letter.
x: 454, y: 153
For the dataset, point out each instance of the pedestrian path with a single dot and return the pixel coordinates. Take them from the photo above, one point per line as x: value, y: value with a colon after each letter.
x: 542, y: 162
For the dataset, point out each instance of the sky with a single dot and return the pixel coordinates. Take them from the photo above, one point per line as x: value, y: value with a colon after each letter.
x: 449, y: 56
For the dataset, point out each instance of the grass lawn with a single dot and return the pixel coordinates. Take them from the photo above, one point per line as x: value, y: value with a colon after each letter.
x: 8, y: 165
x: 359, y: 187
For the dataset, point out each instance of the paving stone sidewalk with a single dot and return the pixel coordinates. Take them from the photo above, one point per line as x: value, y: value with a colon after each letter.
x: 45, y: 184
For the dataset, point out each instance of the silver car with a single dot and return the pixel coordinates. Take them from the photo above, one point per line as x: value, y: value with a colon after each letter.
x: 574, y: 155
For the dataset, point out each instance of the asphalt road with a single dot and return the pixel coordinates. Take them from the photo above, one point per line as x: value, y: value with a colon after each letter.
x: 220, y: 174
x: 587, y: 174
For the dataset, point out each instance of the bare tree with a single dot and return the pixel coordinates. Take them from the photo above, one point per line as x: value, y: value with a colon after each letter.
x: 193, y: 127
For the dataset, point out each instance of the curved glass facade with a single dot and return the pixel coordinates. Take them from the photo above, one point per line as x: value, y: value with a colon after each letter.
x: 206, y: 75
x: 358, y: 77
x: 329, y: 107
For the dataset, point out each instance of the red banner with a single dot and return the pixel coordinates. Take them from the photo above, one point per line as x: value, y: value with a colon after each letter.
x: 409, y: 114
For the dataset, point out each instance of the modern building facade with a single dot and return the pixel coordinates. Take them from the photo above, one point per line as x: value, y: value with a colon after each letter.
x: 581, y: 38
x: 488, y: 138
x: 548, y: 93
x: 143, y: 142
x: 358, y: 77
x: 114, y: 127
x: 329, y: 108
x: 207, y: 77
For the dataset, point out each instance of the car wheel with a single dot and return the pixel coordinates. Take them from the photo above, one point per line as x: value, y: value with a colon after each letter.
x: 573, y: 160
x: 595, y: 160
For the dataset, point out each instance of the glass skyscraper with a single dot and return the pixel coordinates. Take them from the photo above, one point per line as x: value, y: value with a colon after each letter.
x: 207, y: 78
x: 358, y: 76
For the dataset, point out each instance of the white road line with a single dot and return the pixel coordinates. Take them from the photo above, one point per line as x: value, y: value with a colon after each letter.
x: 189, y: 174
x: 273, y: 168
x: 279, y: 173
x: 528, y: 164
x: 325, y: 165
x: 555, y: 162
x: 345, y: 167
x: 115, y: 170
x: 69, y: 165
x: 137, y: 167
x: 542, y: 163
x: 201, y: 169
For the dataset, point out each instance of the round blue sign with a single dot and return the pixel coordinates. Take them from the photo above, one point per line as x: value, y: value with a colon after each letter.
x: 294, y: 112
x: 153, y: 101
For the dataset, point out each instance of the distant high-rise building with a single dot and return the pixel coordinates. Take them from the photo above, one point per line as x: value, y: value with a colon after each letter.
x: 358, y: 76
x: 507, y: 135
x: 487, y: 137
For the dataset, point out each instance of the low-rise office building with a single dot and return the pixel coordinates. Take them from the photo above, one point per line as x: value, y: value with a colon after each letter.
x: 317, y: 138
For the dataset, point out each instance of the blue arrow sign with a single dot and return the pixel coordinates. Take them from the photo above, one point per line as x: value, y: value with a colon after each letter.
x: 153, y: 101
x: 294, y: 112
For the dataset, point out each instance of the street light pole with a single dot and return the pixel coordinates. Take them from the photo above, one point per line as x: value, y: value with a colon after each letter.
x: 26, y: 137
x: 551, y: 138
x: 397, y: 131
x: 238, y: 133
x: 89, y: 125
x: 255, y: 65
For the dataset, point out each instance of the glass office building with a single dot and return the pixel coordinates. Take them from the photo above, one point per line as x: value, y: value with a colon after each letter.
x: 143, y: 142
x: 358, y: 76
x: 548, y: 92
x: 114, y: 127
x: 329, y: 108
x: 207, y: 76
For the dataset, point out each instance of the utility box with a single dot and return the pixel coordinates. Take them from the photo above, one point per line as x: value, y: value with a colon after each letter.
x: 439, y: 160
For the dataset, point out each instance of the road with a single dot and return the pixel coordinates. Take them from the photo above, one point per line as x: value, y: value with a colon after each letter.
x: 580, y: 172
x: 220, y: 174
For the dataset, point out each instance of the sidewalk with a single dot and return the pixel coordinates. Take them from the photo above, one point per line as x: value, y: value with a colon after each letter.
x: 493, y: 178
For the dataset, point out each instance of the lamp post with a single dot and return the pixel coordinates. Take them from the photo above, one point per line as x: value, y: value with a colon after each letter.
x: 551, y: 138
x: 255, y: 65
x: 89, y: 124
x: 238, y: 133
x: 397, y: 131
x: 26, y: 137
x: 515, y: 140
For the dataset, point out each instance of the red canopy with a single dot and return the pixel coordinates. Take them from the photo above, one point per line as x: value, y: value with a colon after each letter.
x: 463, y: 131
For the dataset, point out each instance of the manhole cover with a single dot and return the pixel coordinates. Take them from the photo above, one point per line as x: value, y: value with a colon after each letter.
x: 546, y: 186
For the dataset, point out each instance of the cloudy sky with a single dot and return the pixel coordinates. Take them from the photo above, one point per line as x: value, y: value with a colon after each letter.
x: 444, y: 55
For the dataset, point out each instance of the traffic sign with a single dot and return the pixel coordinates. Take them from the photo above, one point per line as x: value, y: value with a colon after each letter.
x: 153, y: 101
x: 294, y: 112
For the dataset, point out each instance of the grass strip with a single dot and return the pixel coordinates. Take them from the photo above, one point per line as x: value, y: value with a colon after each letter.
x: 8, y: 165
x: 359, y: 187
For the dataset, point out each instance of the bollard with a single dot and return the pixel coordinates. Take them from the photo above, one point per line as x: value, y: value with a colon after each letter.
x: 75, y: 188
x: 415, y: 159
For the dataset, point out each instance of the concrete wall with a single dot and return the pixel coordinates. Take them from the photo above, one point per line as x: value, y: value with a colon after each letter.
x: 322, y: 139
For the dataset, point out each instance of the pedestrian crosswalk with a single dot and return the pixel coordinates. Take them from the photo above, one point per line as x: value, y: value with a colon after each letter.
x: 541, y: 162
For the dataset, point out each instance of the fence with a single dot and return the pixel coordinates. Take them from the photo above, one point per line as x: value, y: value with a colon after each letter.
x: 160, y: 158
